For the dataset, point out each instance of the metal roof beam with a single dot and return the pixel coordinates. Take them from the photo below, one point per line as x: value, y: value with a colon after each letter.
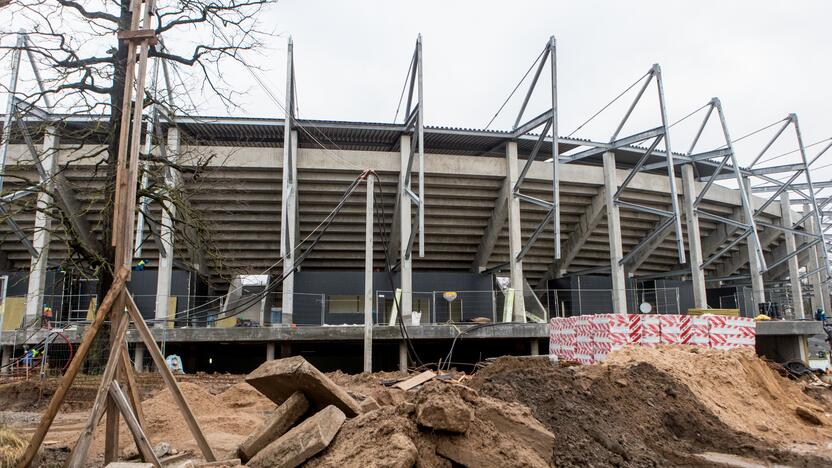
x: 604, y: 147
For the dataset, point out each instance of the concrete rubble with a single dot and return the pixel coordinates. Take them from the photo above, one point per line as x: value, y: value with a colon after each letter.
x: 280, y: 378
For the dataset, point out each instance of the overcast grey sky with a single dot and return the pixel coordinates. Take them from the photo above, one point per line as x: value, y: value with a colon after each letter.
x: 764, y: 59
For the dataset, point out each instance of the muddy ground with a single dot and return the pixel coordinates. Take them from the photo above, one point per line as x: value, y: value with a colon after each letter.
x: 641, y: 408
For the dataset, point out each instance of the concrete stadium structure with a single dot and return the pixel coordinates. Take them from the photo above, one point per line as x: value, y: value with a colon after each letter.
x: 542, y: 214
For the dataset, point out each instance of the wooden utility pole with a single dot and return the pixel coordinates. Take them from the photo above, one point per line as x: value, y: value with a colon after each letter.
x: 118, y: 305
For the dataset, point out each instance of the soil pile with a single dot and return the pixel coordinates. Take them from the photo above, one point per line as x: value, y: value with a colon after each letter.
x: 436, y: 423
x: 740, y: 389
x: 226, y: 419
x: 629, y: 411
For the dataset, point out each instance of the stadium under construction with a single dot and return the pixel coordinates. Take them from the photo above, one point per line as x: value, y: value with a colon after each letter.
x: 301, y: 236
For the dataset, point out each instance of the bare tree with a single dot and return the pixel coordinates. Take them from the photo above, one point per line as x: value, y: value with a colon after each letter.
x: 76, y: 43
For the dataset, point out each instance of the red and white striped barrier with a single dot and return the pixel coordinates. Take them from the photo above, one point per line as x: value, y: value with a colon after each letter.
x: 590, y: 338
x: 614, y: 331
x: 651, y: 330
x: 731, y: 332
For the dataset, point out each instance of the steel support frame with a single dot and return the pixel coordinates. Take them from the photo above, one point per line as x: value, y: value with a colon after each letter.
x: 806, y: 190
x: 12, y: 106
x: 414, y: 127
x: 658, y: 134
x: 725, y: 154
x: 549, y: 120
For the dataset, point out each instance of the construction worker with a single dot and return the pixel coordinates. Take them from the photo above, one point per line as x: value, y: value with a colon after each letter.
x: 139, y: 266
x: 46, y: 316
x: 820, y: 315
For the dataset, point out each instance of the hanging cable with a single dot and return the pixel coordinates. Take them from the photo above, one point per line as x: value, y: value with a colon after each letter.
x: 609, y: 103
x: 515, y: 89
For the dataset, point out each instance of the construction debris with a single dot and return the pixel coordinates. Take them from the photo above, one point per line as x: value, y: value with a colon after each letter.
x: 281, y: 421
x: 280, y: 378
x: 416, y: 380
x: 301, y: 442
x: 669, y: 405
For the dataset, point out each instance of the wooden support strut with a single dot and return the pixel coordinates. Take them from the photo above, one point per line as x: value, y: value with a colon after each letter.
x: 169, y: 379
x: 77, y: 458
x: 142, y: 443
x: 74, y: 366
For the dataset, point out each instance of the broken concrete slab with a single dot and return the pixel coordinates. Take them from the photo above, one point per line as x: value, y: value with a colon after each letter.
x: 279, y: 379
x: 302, y: 442
x: 284, y: 417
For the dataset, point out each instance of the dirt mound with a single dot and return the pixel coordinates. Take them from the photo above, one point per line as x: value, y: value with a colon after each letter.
x: 223, y: 420
x: 739, y: 388
x: 387, y: 436
x: 243, y: 395
x: 623, y: 414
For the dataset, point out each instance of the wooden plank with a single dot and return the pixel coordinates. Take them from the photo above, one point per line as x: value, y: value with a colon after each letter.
x: 78, y: 456
x: 133, y: 424
x: 139, y: 35
x: 74, y: 366
x: 132, y: 386
x: 111, y: 426
x: 167, y: 376
x: 416, y: 380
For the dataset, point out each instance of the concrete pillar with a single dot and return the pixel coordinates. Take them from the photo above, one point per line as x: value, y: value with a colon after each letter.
x: 515, y: 238
x: 42, y: 232
x: 406, y: 264
x: 6, y: 350
x: 534, y: 348
x: 820, y: 290
x: 270, y: 351
x: 166, y: 235
x: 138, y: 357
x: 402, y: 356
x: 794, y: 267
x: 758, y: 293
x: 288, y: 222
x: 368, y: 277
x: 697, y: 275
x: 619, y: 285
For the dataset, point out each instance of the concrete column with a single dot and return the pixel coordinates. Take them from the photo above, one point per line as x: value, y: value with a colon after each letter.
x: 697, y: 275
x: 138, y: 357
x: 270, y: 351
x: 6, y: 350
x: 794, y: 267
x: 820, y: 290
x: 288, y: 222
x: 368, y: 277
x: 758, y: 293
x: 619, y: 284
x: 406, y: 264
x: 534, y: 348
x: 166, y: 235
x: 515, y: 239
x: 402, y: 356
x: 42, y: 233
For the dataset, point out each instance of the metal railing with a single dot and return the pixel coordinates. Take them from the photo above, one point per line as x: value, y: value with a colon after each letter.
x: 320, y: 309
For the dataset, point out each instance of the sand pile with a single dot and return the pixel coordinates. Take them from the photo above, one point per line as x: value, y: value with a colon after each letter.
x: 630, y: 411
x: 438, y: 422
x: 740, y: 389
x: 226, y: 419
